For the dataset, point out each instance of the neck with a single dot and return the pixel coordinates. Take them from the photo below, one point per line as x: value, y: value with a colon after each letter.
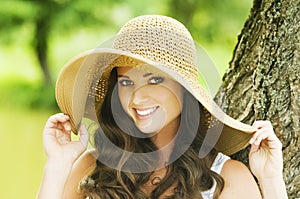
x: 164, y: 138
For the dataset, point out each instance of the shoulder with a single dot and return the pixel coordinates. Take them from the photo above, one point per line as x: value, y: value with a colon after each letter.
x: 86, y: 162
x: 81, y: 168
x: 234, y: 169
x: 239, y: 182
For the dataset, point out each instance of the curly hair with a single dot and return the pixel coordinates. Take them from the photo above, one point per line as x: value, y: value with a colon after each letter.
x: 191, y: 174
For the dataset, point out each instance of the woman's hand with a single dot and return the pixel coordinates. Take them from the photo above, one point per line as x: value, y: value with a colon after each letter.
x: 265, y: 156
x: 57, y: 140
x: 62, y: 152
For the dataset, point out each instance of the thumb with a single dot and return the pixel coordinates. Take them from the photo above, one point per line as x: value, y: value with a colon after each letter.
x: 254, y: 148
x: 84, y: 135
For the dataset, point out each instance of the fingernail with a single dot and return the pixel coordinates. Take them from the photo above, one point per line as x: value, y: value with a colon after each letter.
x: 68, y: 127
x: 67, y: 116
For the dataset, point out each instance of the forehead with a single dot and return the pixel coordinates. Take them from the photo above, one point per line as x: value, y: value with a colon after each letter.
x: 142, y: 69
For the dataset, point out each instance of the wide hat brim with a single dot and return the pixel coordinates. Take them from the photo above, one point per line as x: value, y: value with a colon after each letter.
x: 77, y: 77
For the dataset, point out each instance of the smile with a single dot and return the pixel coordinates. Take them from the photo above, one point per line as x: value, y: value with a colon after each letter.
x: 145, y: 112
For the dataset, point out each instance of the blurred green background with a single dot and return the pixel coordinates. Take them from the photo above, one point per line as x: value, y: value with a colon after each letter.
x: 46, y: 34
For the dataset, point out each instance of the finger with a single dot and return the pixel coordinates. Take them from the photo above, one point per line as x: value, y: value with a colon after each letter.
x: 253, y: 148
x: 58, y: 122
x: 262, y: 123
x: 84, y: 135
x: 262, y: 134
x: 58, y: 117
x: 67, y: 126
x: 64, y: 126
x: 64, y: 130
x: 55, y: 119
x: 253, y: 138
x: 263, y: 127
x: 268, y: 136
x: 63, y: 137
x: 256, y: 136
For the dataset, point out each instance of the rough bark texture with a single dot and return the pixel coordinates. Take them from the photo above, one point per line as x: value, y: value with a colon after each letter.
x: 263, y: 79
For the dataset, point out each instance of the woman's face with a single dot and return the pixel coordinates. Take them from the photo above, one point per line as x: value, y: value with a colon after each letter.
x: 151, y: 99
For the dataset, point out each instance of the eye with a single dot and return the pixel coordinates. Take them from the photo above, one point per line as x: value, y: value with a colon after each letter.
x: 156, y: 80
x: 125, y: 82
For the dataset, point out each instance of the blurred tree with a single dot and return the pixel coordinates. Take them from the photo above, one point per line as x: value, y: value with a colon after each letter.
x: 42, y: 25
x: 184, y: 11
x: 48, y: 16
x: 262, y: 82
x: 45, y: 18
x: 211, y: 21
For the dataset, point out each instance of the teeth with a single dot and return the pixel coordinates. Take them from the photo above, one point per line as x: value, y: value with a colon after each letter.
x: 146, y: 111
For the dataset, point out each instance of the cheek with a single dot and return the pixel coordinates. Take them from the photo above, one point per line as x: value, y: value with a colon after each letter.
x: 178, y: 93
x: 124, y: 98
x: 174, y: 104
x: 170, y: 100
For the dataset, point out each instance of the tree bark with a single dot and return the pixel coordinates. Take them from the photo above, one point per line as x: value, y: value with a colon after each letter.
x: 262, y: 81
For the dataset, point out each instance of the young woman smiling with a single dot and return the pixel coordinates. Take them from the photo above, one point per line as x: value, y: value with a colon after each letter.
x: 158, y: 133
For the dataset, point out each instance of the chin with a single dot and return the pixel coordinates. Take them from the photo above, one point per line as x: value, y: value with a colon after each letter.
x: 148, y: 130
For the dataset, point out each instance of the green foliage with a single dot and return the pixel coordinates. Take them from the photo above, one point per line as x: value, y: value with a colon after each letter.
x: 213, y: 21
x: 24, y: 94
x: 66, y: 27
x: 208, y: 20
x: 14, y: 14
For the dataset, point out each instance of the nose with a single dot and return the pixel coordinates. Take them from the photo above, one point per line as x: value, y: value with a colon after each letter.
x: 140, y: 96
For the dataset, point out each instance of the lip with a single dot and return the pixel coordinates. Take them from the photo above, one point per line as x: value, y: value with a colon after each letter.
x: 145, y: 113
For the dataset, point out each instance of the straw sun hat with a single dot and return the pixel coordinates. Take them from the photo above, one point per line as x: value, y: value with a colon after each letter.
x: 161, y: 42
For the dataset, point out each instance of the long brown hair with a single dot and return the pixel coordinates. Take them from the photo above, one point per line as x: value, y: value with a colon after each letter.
x: 191, y: 173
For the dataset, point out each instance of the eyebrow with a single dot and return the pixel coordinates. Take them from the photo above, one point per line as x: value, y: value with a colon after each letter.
x: 125, y: 76
x: 145, y: 75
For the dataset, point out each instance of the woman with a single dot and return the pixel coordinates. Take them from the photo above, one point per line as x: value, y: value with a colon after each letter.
x: 159, y: 135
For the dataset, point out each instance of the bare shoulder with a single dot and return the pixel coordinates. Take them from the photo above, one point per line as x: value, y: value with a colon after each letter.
x: 239, y: 182
x: 86, y: 161
x: 82, y: 167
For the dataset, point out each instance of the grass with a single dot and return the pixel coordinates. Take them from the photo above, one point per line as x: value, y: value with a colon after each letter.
x: 21, y: 151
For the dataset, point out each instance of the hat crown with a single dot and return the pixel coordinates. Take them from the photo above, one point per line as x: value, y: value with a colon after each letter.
x: 161, y: 39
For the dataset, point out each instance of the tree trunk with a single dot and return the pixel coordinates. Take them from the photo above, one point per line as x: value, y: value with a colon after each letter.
x: 262, y: 82
x: 41, y: 48
x: 41, y: 37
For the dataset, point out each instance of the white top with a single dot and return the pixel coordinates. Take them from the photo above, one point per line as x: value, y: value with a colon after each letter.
x: 216, y: 167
